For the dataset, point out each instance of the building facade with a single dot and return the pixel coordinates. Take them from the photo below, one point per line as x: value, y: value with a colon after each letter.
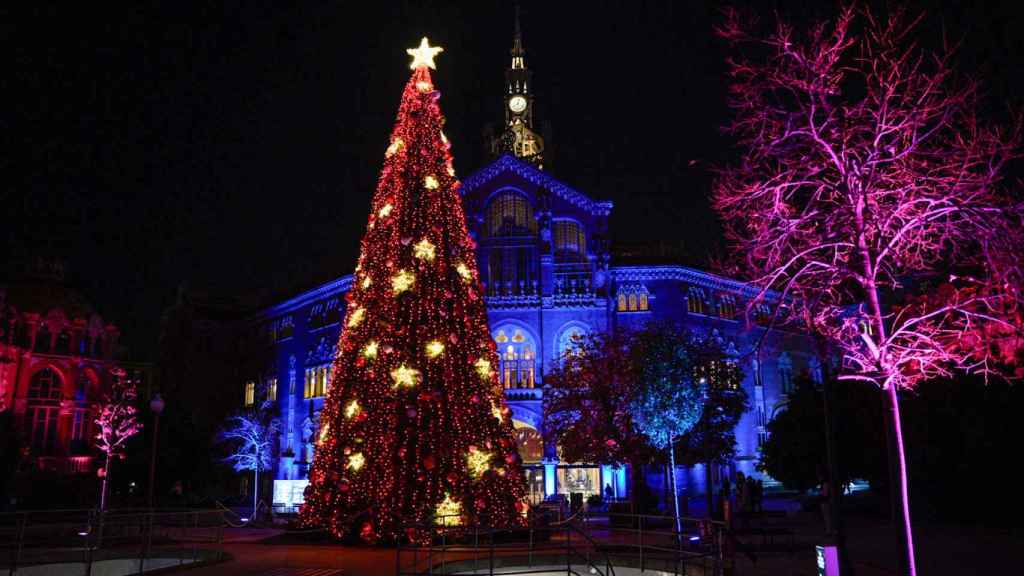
x: 545, y: 262
x: 56, y: 356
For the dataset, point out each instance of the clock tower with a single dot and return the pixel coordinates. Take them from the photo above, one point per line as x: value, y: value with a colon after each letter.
x: 518, y: 137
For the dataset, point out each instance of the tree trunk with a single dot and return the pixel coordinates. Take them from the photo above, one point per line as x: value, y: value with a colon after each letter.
x: 255, y: 491
x: 636, y: 477
x: 890, y: 448
x: 106, y: 482
x: 875, y: 303
x: 709, y: 489
x: 832, y: 455
x: 675, y: 490
x: 910, y: 567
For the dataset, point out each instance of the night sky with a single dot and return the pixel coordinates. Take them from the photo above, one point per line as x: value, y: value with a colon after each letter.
x: 236, y: 147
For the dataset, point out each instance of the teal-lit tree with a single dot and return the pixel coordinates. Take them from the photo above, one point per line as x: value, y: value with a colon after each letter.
x: 668, y: 397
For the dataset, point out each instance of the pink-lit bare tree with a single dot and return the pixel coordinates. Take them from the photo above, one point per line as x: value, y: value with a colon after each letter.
x: 868, y: 195
x: 118, y: 421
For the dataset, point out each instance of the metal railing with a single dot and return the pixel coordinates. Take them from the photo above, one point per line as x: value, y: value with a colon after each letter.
x: 136, y: 540
x: 584, y: 543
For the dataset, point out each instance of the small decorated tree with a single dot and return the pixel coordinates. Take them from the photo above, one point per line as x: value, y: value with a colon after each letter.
x: 117, y: 419
x: 250, y: 435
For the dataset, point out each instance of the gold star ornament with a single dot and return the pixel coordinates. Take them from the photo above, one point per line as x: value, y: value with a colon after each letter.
x: 423, y: 55
x: 370, y: 350
x: 402, y: 281
x: 449, y: 512
x: 356, y: 461
x: 423, y: 250
x: 483, y: 367
x: 434, y: 349
x: 405, y: 376
x: 478, y: 462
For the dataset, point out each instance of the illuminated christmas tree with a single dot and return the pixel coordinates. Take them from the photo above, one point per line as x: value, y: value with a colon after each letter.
x: 414, y: 430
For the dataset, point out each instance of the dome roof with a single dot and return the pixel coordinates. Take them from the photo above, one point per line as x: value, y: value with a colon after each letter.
x: 42, y: 296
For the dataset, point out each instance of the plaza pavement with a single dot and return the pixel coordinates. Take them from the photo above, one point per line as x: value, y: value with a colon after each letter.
x: 943, y: 549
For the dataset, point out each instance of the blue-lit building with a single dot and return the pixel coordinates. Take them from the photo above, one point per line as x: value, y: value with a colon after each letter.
x: 545, y: 261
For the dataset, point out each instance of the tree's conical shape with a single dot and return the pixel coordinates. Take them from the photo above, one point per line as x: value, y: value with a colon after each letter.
x: 414, y: 421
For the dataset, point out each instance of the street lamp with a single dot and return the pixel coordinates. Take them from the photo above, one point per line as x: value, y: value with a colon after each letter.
x: 157, y: 406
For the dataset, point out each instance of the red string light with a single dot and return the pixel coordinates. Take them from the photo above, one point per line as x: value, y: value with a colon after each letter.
x: 414, y: 359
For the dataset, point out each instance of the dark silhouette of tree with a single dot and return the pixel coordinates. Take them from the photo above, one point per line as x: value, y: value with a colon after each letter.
x: 712, y: 441
x: 601, y: 399
x: 794, y: 452
x: 587, y: 407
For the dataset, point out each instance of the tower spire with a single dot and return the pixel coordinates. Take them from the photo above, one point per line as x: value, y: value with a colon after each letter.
x: 517, y: 39
x: 518, y: 137
x: 517, y: 45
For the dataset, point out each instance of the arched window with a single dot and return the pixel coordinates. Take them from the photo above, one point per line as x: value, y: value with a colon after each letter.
x: 81, y: 424
x: 317, y: 381
x: 695, y: 301
x: 632, y: 298
x: 814, y: 367
x: 43, y: 340
x: 509, y: 214
x: 85, y: 382
x: 727, y: 306
x: 570, y: 241
x: 571, y: 341
x: 44, y: 396
x: 63, y: 345
x: 45, y: 385
x: 333, y: 311
x: 785, y: 373
x: 529, y: 442
x: 317, y: 318
x: 517, y: 356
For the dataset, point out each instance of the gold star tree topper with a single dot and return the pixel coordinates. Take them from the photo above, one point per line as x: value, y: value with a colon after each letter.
x: 423, y: 55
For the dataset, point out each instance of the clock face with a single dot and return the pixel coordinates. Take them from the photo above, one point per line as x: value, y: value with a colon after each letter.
x: 517, y: 104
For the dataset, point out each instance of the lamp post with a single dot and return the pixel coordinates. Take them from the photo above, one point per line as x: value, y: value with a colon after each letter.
x: 157, y: 406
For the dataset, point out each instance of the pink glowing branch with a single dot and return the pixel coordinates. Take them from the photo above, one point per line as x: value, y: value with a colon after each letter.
x: 869, y: 195
x: 118, y: 421
x: 117, y: 416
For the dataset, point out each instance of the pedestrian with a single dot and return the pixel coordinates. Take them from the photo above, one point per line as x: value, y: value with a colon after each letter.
x: 825, y: 501
x: 759, y: 496
x: 726, y: 495
x: 742, y: 496
x: 749, y: 489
